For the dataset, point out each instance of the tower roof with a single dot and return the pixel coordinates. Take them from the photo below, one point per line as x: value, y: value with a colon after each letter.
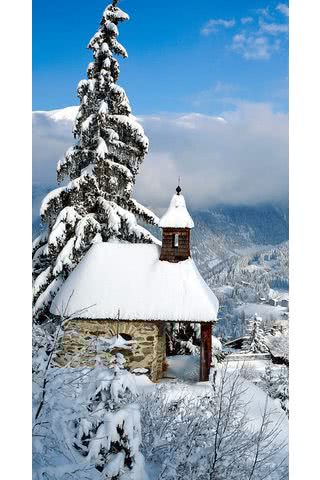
x: 177, y: 215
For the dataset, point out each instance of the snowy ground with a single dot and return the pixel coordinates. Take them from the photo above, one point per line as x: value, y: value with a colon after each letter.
x: 183, y: 374
x: 182, y: 379
x: 263, y: 310
x: 184, y: 367
x: 185, y: 370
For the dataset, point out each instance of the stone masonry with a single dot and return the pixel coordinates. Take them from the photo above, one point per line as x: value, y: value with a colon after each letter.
x: 77, y: 344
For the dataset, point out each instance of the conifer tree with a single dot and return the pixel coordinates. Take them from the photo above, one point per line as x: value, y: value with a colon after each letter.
x: 255, y: 341
x: 99, y: 171
x: 277, y: 385
x: 109, y: 432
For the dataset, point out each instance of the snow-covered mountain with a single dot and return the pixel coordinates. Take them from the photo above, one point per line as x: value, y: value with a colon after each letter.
x: 242, y: 253
x: 229, y: 242
x: 234, y: 232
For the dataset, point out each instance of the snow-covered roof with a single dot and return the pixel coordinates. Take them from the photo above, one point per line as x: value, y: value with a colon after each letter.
x: 131, y: 278
x: 282, y: 296
x: 177, y: 215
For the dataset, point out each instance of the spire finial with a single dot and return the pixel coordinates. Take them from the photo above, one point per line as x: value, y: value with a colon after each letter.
x: 178, y: 189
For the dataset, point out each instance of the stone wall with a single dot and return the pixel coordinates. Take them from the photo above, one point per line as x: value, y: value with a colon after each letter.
x: 77, y: 344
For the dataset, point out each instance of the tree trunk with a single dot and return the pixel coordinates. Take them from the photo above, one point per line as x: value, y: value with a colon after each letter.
x: 205, y: 351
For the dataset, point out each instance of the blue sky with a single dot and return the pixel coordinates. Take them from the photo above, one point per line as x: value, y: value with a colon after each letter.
x: 184, y: 56
x: 208, y: 81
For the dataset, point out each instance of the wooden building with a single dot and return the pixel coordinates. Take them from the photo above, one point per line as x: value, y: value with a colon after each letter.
x: 132, y: 290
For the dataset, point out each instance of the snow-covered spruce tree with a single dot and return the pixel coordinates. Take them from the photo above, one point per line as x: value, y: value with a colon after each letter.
x: 276, y: 384
x: 109, y: 432
x: 255, y: 341
x: 96, y: 205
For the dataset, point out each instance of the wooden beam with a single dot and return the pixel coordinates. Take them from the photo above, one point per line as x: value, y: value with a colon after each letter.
x: 205, y: 351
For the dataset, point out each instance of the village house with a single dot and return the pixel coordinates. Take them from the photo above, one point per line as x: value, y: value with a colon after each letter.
x: 283, y: 300
x: 280, y: 325
x: 279, y: 299
x: 130, y: 291
x: 273, y: 302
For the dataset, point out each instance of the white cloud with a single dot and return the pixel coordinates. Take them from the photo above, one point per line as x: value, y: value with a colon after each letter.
x: 264, y: 12
x: 259, y: 42
x: 222, y: 87
x: 212, y: 25
x: 254, y: 46
x: 240, y: 157
x: 252, y: 42
x: 283, y: 8
x: 245, y: 20
x: 273, y: 28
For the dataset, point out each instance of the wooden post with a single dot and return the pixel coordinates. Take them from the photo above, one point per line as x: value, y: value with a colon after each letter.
x: 118, y: 320
x: 205, y: 351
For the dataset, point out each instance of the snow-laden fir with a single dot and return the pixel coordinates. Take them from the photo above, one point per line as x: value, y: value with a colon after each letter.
x: 108, y: 433
x: 98, y: 171
x: 255, y: 341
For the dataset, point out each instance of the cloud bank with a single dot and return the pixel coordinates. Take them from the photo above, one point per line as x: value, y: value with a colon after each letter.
x: 240, y: 157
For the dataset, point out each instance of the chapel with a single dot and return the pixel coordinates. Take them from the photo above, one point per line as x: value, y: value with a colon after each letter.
x: 130, y: 291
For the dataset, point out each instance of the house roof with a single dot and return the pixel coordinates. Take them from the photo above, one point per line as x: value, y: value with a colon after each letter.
x: 177, y: 215
x: 282, y: 296
x: 132, y: 279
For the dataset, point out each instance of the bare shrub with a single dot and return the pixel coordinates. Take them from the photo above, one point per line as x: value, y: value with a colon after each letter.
x: 212, y: 437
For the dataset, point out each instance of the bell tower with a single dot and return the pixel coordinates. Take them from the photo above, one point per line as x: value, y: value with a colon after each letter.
x: 176, y: 225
